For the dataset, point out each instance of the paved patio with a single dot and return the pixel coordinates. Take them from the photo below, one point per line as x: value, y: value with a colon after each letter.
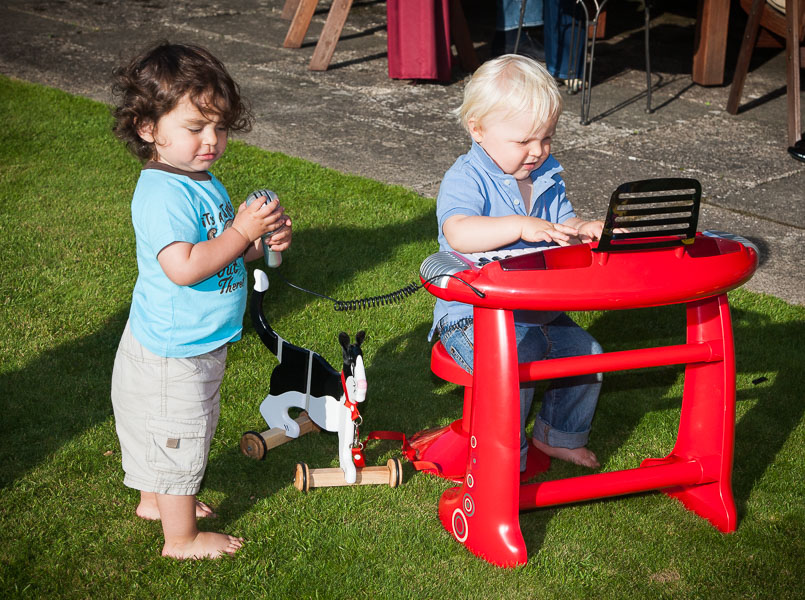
x: 355, y: 119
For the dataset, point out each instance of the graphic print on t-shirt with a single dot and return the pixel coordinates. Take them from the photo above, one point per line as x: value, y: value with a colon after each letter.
x: 230, y: 278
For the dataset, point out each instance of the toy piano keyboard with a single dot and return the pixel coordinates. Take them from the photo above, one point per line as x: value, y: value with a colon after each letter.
x: 649, y: 254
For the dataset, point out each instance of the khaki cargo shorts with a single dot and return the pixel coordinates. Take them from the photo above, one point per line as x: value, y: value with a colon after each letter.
x: 166, y: 412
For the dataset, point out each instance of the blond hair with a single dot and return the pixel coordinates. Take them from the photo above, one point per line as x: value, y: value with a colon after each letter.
x: 512, y: 84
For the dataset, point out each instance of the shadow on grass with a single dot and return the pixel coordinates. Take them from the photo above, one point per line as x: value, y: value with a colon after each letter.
x: 65, y: 391
x: 324, y: 259
x: 772, y: 350
x: 56, y: 397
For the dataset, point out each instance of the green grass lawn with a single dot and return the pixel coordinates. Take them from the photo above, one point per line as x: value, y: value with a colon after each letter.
x: 67, y: 524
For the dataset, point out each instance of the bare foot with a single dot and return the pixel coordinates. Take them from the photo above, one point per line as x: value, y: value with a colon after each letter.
x: 207, y: 544
x: 578, y: 456
x: 148, y: 510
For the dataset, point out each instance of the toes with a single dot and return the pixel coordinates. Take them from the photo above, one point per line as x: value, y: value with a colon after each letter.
x: 578, y: 456
x: 585, y: 459
x: 235, y: 544
x: 148, y: 514
x: 203, y: 510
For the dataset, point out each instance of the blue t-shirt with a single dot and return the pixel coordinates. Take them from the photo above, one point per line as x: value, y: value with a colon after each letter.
x: 476, y: 186
x: 170, y: 205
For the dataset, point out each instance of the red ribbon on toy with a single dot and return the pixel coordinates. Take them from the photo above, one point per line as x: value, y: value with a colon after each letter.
x: 357, y: 451
x: 352, y: 406
x: 408, y: 451
x: 357, y: 457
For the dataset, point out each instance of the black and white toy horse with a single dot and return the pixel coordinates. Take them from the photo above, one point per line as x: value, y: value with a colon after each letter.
x: 304, y: 379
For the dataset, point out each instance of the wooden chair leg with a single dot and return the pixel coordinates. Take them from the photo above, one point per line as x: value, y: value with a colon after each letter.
x: 325, y: 47
x: 745, y: 55
x: 793, y: 65
x: 300, y: 23
x: 710, y: 46
x: 289, y: 9
x: 460, y: 33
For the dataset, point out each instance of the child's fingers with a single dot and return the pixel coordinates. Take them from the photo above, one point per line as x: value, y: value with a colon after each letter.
x: 269, y: 215
x: 268, y: 207
x: 282, y: 238
x: 280, y: 247
x: 276, y: 216
x: 257, y: 219
x: 565, y: 229
x: 252, y: 210
x: 280, y: 225
x: 560, y: 237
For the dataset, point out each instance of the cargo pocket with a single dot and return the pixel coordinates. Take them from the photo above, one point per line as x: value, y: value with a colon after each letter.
x: 175, y: 446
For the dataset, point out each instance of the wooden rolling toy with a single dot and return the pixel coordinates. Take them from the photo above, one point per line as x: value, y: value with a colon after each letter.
x: 255, y: 445
x: 303, y: 379
x: 307, y: 478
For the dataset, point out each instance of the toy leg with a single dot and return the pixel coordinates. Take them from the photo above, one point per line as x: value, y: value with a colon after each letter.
x: 307, y: 478
x: 255, y: 444
x: 707, y: 422
x: 346, y: 433
x: 483, y: 513
x: 274, y: 410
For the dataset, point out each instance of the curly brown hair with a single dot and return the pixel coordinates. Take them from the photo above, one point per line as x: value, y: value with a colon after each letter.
x: 154, y: 82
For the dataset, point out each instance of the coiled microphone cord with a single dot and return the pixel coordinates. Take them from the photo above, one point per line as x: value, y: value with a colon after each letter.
x: 383, y: 299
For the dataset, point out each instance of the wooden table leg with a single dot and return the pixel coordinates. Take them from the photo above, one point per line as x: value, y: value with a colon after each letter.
x: 300, y: 23
x: 794, y: 53
x: 710, y: 48
x: 330, y: 34
x: 289, y: 9
x: 745, y: 56
x: 460, y: 33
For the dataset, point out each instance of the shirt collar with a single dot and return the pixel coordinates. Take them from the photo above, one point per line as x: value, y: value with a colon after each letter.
x: 194, y: 175
x: 542, y: 177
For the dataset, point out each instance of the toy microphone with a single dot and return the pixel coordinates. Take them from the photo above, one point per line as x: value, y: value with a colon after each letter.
x: 273, y: 258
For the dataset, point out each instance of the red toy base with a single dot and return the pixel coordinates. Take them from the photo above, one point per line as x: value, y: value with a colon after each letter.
x: 447, y: 448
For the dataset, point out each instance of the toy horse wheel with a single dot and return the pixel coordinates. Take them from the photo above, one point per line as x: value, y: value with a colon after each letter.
x: 395, y: 472
x: 302, y: 478
x: 253, y: 445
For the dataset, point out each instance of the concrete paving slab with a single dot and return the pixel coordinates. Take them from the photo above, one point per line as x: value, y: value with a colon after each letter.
x: 687, y: 145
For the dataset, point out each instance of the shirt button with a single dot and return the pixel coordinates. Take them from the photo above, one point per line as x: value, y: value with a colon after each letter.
x: 517, y: 203
x: 506, y: 182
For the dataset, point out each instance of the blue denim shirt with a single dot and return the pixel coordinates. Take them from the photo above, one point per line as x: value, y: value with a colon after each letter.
x: 476, y: 186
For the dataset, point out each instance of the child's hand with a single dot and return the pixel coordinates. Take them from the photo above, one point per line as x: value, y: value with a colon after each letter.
x: 540, y: 230
x: 257, y: 219
x: 590, y: 231
x: 281, y: 240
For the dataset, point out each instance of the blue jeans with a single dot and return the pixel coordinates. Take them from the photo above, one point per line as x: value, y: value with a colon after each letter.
x: 557, y: 31
x: 569, y: 403
x: 508, y: 14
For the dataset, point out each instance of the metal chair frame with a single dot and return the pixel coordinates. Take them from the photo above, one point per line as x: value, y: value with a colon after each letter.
x: 578, y: 34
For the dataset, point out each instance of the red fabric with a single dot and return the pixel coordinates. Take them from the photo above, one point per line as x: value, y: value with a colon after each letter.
x: 419, y: 39
x: 353, y: 408
x: 358, y: 458
x: 409, y: 452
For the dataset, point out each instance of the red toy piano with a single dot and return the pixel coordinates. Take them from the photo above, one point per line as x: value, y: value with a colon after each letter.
x: 650, y: 255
